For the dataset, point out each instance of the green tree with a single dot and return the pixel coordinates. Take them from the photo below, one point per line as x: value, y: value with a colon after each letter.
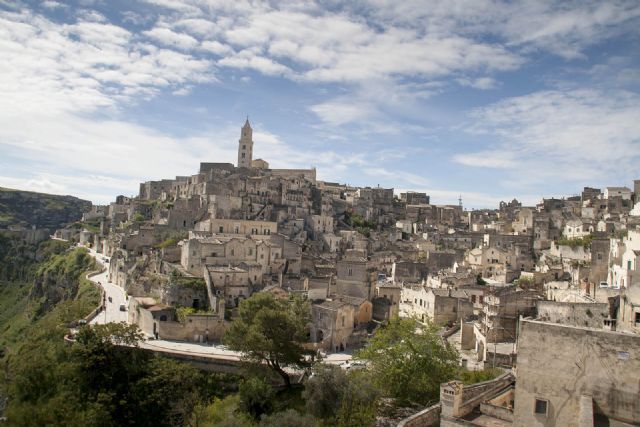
x: 324, y: 391
x: 288, y: 418
x: 271, y: 331
x: 358, y: 404
x: 221, y: 412
x: 171, y: 389
x: 409, y: 360
x: 108, y: 365
x: 256, y: 397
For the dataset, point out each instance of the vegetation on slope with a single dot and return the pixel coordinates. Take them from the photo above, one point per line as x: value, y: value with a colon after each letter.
x: 50, y: 211
x: 45, y: 381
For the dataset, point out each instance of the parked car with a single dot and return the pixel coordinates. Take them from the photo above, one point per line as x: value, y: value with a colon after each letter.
x: 604, y: 285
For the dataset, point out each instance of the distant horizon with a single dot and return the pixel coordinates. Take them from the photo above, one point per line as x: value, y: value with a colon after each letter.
x: 489, y: 99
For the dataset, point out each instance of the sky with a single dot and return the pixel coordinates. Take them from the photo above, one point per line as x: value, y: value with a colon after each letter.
x: 486, y: 99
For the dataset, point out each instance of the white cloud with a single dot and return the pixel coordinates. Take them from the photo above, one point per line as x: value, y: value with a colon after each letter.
x: 50, y: 4
x: 564, y: 28
x: 340, y: 111
x: 84, y: 66
x: 572, y: 136
x: 74, y: 150
x: 247, y: 59
x: 482, y: 83
x: 169, y: 37
x: 488, y: 159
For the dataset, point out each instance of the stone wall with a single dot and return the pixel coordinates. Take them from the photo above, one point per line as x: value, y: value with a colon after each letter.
x: 467, y: 337
x: 459, y: 400
x: 590, y: 315
x: 194, y: 329
x: 559, y: 364
x: 425, y: 418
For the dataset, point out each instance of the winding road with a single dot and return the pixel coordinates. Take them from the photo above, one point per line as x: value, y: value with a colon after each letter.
x: 112, y: 313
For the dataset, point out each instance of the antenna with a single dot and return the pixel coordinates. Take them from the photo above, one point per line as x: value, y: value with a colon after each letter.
x: 460, y: 201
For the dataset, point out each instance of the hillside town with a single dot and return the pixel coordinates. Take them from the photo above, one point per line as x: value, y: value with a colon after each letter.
x: 548, y: 293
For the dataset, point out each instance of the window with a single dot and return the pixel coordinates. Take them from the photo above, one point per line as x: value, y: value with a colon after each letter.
x: 232, y: 252
x: 221, y: 229
x: 350, y: 272
x: 541, y: 407
x: 243, y: 155
x: 637, y: 319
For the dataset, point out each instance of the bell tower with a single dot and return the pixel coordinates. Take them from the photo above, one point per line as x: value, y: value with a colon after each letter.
x: 245, y: 146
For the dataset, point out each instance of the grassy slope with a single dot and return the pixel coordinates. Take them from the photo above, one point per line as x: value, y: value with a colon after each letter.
x: 15, y: 312
x: 18, y: 310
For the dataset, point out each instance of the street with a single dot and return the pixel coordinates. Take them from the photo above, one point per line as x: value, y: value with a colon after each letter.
x: 113, y: 314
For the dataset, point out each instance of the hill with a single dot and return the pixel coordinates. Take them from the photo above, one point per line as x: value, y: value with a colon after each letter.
x: 26, y: 208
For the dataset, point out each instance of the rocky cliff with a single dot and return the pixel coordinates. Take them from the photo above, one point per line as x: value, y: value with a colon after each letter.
x: 25, y: 208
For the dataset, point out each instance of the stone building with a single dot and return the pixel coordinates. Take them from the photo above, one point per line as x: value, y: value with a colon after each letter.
x: 576, y: 376
x: 355, y: 277
x: 501, y: 311
x: 233, y: 284
x: 245, y: 146
x: 222, y: 249
x: 592, y: 315
x: 440, y: 306
x: 245, y: 227
x: 319, y: 225
x: 414, y: 198
x: 158, y: 320
x: 333, y: 324
x: 628, y: 317
x: 599, y: 260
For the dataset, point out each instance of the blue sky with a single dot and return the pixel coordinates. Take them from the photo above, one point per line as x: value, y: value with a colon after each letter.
x: 488, y: 99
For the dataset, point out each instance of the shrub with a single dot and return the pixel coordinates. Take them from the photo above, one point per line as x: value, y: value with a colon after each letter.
x: 256, y: 397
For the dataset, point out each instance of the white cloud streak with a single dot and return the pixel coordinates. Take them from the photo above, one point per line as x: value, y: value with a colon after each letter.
x: 572, y: 136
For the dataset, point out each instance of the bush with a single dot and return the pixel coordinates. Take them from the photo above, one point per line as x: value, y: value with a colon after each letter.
x: 409, y: 361
x: 324, y: 391
x: 256, y: 397
x: 183, y: 312
x: 575, y: 242
x: 288, y: 418
x: 358, y: 405
x: 221, y: 413
x: 166, y: 243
